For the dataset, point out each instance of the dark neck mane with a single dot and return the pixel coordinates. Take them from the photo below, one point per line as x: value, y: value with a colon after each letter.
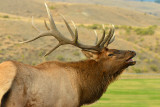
x: 93, y: 80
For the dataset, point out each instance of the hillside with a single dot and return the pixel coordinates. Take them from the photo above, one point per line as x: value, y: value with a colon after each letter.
x: 99, y: 14
x: 23, y: 8
x: 16, y: 27
x: 148, y: 59
x: 80, y: 13
x: 145, y: 7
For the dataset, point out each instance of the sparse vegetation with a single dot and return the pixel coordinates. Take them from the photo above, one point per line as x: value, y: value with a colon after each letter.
x: 81, y: 25
x: 141, y: 58
x: 141, y: 39
x: 1, y: 51
x: 76, y: 53
x: 52, y: 7
x: 154, y: 68
x: 147, y: 60
x: 116, y: 27
x: 145, y: 31
x: 127, y: 29
x: 60, y: 58
x: 94, y: 26
x: 137, y: 70
x: 9, y: 37
x: 41, y: 53
x: 5, y: 16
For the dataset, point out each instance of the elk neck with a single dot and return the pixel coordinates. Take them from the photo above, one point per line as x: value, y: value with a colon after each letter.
x: 93, y: 79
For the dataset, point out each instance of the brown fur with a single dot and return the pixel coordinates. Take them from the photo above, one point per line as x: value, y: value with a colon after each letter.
x: 61, y: 84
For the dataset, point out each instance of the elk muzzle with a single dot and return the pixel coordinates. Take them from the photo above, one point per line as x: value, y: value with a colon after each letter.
x: 129, y: 60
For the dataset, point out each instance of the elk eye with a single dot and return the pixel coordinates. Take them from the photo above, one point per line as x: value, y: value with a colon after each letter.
x: 110, y: 54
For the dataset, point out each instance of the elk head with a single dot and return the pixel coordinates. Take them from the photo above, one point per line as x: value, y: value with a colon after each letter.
x: 109, y: 58
x: 112, y: 59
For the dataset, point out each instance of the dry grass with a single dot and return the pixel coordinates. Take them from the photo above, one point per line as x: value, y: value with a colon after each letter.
x: 99, y: 14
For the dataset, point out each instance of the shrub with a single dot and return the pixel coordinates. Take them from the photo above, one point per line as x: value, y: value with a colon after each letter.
x: 116, y: 27
x: 76, y: 54
x: 61, y: 58
x: 141, y: 39
x: 137, y: 70
x: 153, y: 27
x: 52, y: 7
x: 81, y: 25
x: 9, y: 37
x: 41, y: 53
x: 5, y: 16
x: 1, y: 51
x: 144, y: 70
x: 128, y: 31
x: 94, y: 26
x: 126, y: 28
x: 145, y: 31
x: 106, y: 28
x: 154, y: 68
x: 147, y: 60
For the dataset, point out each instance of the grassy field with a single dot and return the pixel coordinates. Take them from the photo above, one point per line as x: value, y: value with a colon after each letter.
x: 131, y: 93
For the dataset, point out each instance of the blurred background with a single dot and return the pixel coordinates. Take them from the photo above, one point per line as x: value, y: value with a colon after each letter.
x: 137, y: 24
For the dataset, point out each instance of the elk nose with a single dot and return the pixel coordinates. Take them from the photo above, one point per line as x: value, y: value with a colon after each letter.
x: 133, y: 52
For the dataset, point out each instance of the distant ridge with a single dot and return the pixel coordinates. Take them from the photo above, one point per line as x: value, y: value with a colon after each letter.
x: 80, y: 13
x: 145, y: 7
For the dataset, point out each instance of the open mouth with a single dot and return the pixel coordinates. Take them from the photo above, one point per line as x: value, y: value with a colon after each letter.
x: 130, y: 60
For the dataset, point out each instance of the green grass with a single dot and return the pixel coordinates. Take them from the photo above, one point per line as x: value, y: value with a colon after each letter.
x: 131, y: 93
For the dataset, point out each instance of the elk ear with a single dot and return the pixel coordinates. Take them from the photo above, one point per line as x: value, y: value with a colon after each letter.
x: 91, y: 55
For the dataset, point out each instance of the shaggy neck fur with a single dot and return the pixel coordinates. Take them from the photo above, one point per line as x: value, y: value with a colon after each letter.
x: 93, y: 80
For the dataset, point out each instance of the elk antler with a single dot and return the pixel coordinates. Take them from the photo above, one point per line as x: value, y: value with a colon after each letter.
x: 53, y: 31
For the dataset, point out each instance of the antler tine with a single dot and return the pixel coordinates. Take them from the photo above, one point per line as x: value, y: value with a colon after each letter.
x: 110, y: 36
x: 49, y: 52
x: 102, y: 38
x: 68, y: 27
x: 39, y: 36
x: 52, y: 24
x: 113, y: 38
x: 46, y: 25
x: 76, y: 32
x: 33, y: 25
x: 107, y: 38
x: 96, y: 41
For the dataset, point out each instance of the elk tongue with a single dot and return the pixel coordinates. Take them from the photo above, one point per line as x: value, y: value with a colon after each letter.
x: 130, y: 60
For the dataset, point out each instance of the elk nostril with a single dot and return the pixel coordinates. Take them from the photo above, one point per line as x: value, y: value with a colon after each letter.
x: 131, y: 51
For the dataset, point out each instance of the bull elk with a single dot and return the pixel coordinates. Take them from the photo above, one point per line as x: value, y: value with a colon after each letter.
x: 63, y: 84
